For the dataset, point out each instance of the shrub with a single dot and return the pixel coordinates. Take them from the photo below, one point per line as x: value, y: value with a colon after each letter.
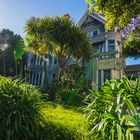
x: 71, y: 88
x: 113, y: 112
x: 20, y: 116
x: 73, y: 95
x: 64, y: 124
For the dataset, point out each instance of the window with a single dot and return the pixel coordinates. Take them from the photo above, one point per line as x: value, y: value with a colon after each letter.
x: 107, y: 75
x: 32, y: 60
x: 102, y: 49
x: 53, y: 76
x: 101, y: 30
x: 111, y: 47
x: 33, y: 79
x: 104, y: 75
x: 99, y: 77
x: 55, y: 61
x: 89, y: 34
x: 40, y: 80
x: 41, y: 61
x: 37, y: 77
x: 95, y: 33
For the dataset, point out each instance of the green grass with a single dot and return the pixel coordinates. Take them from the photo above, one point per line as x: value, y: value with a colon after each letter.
x: 65, y: 123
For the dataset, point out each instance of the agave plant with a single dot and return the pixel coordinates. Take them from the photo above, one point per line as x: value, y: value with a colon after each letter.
x: 111, y: 110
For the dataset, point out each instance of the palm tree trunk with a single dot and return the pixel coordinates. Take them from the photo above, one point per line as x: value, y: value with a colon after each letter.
x: 62, y: 63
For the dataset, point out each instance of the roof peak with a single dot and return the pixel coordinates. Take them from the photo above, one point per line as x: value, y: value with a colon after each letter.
x: 93, y: 15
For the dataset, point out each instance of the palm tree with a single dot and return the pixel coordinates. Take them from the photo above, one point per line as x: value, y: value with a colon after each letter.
x: 58, y: 36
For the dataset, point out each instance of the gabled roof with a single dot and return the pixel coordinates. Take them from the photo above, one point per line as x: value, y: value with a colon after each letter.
x: 92, y: 15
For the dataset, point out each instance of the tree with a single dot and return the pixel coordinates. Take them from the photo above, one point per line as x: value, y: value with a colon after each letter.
x: 11, y: 64
x: 124, y: 14
x: 132, y: 36
x: 58, y: 36
x: 117, y: 12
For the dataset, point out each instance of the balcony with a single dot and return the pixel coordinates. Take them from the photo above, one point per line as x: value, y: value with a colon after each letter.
x: 108, y: 60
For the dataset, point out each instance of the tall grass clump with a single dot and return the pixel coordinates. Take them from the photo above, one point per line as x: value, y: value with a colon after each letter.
x: 20, y: 105
x: 113, y: 112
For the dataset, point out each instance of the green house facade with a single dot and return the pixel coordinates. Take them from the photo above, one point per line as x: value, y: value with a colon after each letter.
x: 106, y: 61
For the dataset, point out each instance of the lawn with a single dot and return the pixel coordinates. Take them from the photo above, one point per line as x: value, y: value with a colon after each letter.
x: 65, y: 123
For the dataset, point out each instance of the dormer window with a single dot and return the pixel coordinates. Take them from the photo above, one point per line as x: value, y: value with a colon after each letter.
x: 93, y: 33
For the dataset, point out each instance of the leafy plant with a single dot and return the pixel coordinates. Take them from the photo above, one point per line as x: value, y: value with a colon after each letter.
x: 73, y: 86
x: 20, y: 115
x: 73, y: 95
x: 110, y: 110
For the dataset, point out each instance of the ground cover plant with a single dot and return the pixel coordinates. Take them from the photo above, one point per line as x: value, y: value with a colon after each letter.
x: 65, y: 123
x: 113, y: 112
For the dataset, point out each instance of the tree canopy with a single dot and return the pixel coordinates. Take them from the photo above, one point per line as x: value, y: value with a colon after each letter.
x: 8, y: 37
x: 124, y: 14
x: 58, y: 36
x: 117, y: 12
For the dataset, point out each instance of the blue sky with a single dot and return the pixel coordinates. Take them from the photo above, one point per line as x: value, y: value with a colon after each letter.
x: 14, y: 13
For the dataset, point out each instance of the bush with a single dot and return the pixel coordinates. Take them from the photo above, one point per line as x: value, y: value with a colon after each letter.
x: 73, y: 95
x: 20, y: 105
x: 113, y: 112
x: 71, y: 88
x: 64, y: 124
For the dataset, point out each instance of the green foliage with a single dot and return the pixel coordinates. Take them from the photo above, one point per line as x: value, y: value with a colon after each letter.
x: 113, y: 112
x: 20, y: 49
x: 65, y: 124
x: 72, y: 94
x: 24, y: 116
x: 20, y: 106
x: 119, y: 13
x: 114, y: 11
x: 8, y: 37
x: 131, y: 47
x: 58, y: 36
x: 71, y: 88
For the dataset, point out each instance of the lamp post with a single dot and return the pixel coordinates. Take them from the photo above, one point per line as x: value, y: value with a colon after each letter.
x: 3, y: 48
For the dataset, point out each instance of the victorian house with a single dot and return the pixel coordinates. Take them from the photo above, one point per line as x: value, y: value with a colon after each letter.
x: 106, y: 60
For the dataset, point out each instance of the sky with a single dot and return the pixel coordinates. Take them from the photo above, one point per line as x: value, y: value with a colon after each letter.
x: 15, y: 13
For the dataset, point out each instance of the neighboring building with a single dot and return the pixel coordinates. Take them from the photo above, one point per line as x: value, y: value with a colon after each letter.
x: 42, y: 72
x: 133, y: 71
x: 106, y: 62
